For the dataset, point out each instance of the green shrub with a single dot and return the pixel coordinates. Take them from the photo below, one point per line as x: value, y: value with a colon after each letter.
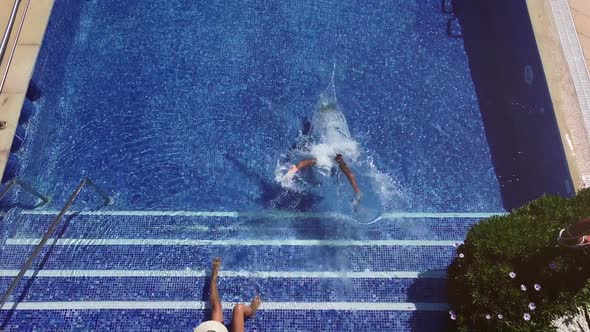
x: 523, y: 242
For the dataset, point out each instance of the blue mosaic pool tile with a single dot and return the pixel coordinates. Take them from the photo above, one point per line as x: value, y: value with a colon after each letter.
x: 186, y: 320
x: 179, y: 227
x: 251, y: 258
x: 229, y: 103
x: 231, y: 289
x: 216, y: 118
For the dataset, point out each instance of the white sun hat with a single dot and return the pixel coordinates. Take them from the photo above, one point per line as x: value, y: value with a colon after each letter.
x: 211, y: 326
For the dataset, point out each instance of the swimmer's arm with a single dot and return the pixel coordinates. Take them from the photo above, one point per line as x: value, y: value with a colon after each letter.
x: 301, y: 165
x: 344, y: 168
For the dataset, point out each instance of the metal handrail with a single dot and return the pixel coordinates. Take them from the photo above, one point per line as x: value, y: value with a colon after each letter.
x: 8, y: 30
x: 6, y: 38
x: 86, y: 181
x: 25, y: 186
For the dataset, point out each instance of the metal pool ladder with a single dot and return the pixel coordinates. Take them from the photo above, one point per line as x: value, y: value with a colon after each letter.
x: 86, y: 181
x: 12, y: 183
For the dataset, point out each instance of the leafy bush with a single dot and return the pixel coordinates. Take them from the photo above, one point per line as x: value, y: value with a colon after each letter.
x: 525, y: 243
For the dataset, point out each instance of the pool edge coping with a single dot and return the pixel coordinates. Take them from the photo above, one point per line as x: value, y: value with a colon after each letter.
x: 564, y: 87
x: 22, y: 67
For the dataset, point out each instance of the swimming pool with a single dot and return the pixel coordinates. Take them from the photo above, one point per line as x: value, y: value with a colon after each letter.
x: 184, y: 110
x: 195, y: 114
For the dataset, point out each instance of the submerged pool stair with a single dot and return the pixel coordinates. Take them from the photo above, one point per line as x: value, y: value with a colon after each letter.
x: 141, y: 270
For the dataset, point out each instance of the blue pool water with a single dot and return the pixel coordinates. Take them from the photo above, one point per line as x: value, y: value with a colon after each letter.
x: 184, y: 111
x: 177, y: 106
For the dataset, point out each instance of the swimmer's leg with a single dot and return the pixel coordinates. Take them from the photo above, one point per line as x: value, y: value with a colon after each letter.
x: 344, y: 168
x: 301, y: 165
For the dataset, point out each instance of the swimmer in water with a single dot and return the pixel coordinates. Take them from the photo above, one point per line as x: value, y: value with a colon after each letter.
x: 343, y: 167
x: 325, y: 108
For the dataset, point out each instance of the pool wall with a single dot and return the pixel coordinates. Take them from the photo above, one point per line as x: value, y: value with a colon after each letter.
x: 517, y: 110
x: 48, y: 77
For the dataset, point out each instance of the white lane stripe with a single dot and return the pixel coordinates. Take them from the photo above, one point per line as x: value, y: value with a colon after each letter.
x: 229, y: 242
x: 267, y: 214
x: 395, y: 215
x: 193, y: 305
x: 438, y: 274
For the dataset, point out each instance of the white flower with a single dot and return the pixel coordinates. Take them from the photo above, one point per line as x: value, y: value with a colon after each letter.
x: 500, y: 316
x: 523, y: 288
x: 453, y: 316
x: 526, y: 316
x: 461, y: 255
x: 488, y: 317
x: 512, y: 275
x: 537, y: 287
x: 532, y: 306
x: 451, y: 312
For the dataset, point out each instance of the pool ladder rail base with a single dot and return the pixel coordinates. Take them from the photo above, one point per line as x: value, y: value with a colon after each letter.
x: 108, y: 200
x: 27, y: 187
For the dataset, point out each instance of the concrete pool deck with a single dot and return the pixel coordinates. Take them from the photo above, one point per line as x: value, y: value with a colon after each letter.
x: 560, y: 81
x: 23, y: 63
x: 581, y: 14
x: 561, y: 48
x: 580, y: 11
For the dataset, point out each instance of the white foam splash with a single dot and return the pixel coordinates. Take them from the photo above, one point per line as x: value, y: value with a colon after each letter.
x: 329, y: 136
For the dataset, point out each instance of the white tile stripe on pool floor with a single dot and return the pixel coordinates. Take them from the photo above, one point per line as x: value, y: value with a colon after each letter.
x: 265, y: 214
x: 192, y: 305
x: 233, y: 242
x: 436, y: 274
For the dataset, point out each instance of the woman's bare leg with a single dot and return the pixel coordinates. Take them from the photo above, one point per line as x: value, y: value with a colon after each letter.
x: 216, y: 309
x: 579, y: 228
x: 242, y: 312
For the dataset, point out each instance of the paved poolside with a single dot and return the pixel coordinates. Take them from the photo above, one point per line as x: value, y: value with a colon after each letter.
x: 581, y: 14
x: 21, y: 69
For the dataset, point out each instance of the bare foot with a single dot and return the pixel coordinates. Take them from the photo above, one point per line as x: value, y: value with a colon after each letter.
x: 215, y: 266
x: 256, y: 301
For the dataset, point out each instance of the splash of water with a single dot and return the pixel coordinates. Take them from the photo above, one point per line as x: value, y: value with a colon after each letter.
x: 329, y: 135
x: 329, y: 132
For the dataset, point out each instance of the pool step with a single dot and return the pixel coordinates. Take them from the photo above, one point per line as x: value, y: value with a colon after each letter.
x: 97, y: 285
x: 312, y: 257
x: 317, y: 272
x: 291, y: 320
x: 214, y: 227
